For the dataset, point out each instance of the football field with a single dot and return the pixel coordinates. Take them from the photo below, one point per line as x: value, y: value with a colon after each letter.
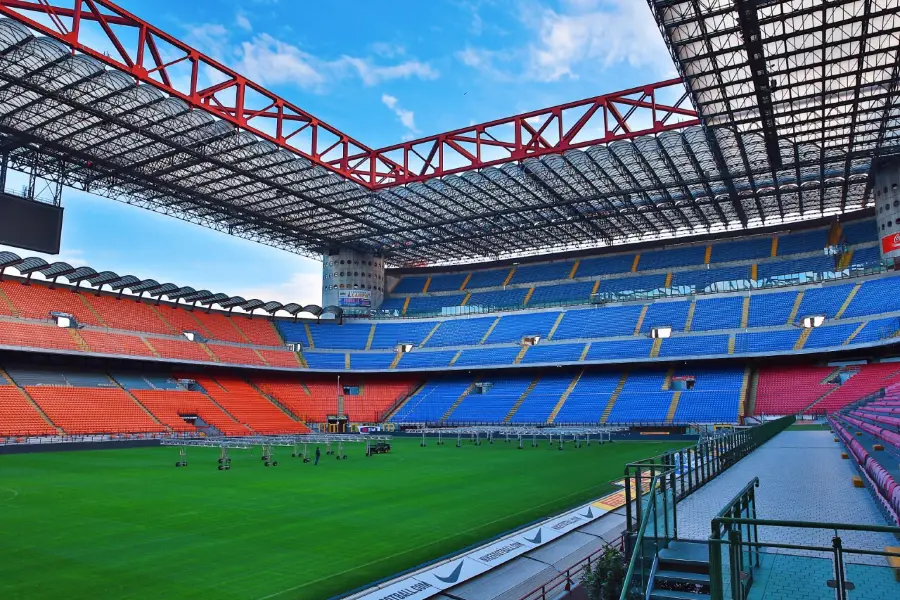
x: 128, y: 524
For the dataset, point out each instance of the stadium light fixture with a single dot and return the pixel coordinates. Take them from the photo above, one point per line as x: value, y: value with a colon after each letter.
x: 661, y: 332
x: 812, y: 321
x: 193, y: 336
x: 64, y: 320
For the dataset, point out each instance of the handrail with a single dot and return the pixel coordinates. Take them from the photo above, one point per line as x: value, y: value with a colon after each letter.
x: 565, y: 578
x: 813, y: 525
x: 639, y: 539
x: 754, y: 483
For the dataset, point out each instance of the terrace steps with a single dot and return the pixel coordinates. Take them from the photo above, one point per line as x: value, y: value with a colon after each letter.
x: 732, y: 340
x: 9, y: 305
x: 150, y: 347
x: 634, y: 265
x: 371, y: 337
x: 79, y: 340
x: 521, y: 354
x: 347, y: 360
x: 201, y: 328
x: 754, y: 271
x: 396, y: 360
x: 796, y: 308
x: 673, y: 406
x: 222, y: 408
x: 521, y: 399
x: 690, y: 315
x: 455, y: 358
x: 668, y: 282
x: 239, y: 331
x: 31, y: 401
x: 301, y: 360
x: 640, y: 320
x: 565, y: 395
x: 574, y: 270
x: 427, y: 285
x: 309, y: 337
x: 89, y: 306
x: 556, y: 323
x: 855, y: 333
x: 595, y: 288
x: 801, y: 341
x: 654, y: 350
x: 274, y: 401
x: 751, y: 392
x: 667, y: 382
x: 745, y: 386
x: 459, y: 400
x: 140, y: 404
x: 613, y: 397
x: 155, y: 310
x: 466, y: 281
x: 774, y: 251
x: 845, y: 259
x: 406, y: 304
x: 490, y: 330
x: 466, y: 299
x: 424, y: 341
x: 745, y: 312
x: 528, y: 296
x: 707, y: 254
x: 584, y: 353
x: 847, y: 301
x: 209, y: 352
x: 261, y: 357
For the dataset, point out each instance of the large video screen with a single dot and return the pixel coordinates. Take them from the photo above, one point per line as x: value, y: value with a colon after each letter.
x: 30, y: 225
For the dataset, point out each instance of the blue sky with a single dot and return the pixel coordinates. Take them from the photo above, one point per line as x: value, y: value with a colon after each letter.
x: 382, y: 72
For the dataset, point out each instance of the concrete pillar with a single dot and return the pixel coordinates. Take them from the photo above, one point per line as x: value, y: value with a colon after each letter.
x: 886, y: 194
x: 352, y: 280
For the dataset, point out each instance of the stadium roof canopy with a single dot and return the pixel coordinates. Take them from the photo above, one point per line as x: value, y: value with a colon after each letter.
x: 794, y: 98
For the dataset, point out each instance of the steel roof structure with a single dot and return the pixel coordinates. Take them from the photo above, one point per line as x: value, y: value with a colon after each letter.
x: 147, y: 120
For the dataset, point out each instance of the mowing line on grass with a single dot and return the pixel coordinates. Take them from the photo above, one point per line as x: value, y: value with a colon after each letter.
x: 408, y: 550
x: 9, y: 500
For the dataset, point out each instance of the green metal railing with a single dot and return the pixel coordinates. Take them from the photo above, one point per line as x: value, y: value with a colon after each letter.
x: 657, y: 529
x: 673, y: 476
x: 742, y: 556
x: 811, y: 567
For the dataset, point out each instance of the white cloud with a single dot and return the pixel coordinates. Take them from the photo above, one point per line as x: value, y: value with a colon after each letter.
x: 406, y: 117
x: 583, y: 36
x: 243, y: 22
x: 303, y: 287
x: 270, y: 61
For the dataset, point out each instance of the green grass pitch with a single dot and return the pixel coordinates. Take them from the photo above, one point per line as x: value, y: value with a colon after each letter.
x: 128, y: 524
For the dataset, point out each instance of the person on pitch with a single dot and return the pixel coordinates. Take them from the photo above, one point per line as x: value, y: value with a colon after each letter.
x: 318, y: 454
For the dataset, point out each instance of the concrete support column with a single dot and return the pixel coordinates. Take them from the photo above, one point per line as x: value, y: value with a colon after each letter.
x: 352, y: 280
x: 886, y: 194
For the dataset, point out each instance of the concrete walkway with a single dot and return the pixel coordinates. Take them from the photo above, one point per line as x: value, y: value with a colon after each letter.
x: 802, y: 478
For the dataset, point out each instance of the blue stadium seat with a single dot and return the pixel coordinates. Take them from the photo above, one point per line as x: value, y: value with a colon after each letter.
x: 860, y: 232
x: 502, y: 356
x: 865, y: 257
x: 875, y: 296
x: 829, y: 335
x: 460, y: 332
x: 780, y: 268
x: 494, y: 404
x: 702, y: 278
x: 605, y: 265
x: 694, y: 345
x: 717, y: 313
x: 608, y: 321
x: 349, y: 336
x: 589, y: 398
x: 618, y: 349
x: 410, y: 284
x: 682, y: 256
x: 770, y: 309
x: 752, y: 249
x: 292, y: 332
x: 432, y: 304
x: 432, y: 401
x: 485, y: 279
x: 512, y: 328
x: 538, y: 405
x: 509, y: 299
x: 633, y: 283
x: 325, y: 360
x: 446, y: 283
x: 553, y: 353
x: 388, y: 335
x: 393, y: 303
x: 423, y: 359
x: 715, y: 398
x: 766, y: 341
x: 877, y: 330
x: 673, y: 314
x: 802, y: 242
x: 562, y: 292
x: 371, y: 360
x: 825, y: 300
x: 542, y: 272
x: 642, y: 399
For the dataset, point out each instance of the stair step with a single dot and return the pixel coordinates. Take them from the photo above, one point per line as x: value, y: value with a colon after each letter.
x: 682, y: 577
x: 685, y: 556
x: 676, y: 595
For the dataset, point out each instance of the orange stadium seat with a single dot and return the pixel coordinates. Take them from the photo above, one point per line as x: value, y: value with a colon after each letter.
x: 182, y: 349
x: 169, y: 406
x: 130, y: 314
x: 115, y: 343
x: 259, y: 331
x: 280, y: 358
x: 220, y: 327
x: 248, y: 406
x: 35, y: 301
x: 18, y: 416
x: 36, y: 335
x: 92, y: 410
x: 238, y: 355
x: 181, y: 319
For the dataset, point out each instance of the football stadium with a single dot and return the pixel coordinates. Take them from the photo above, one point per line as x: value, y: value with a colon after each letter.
x: 641, y: 345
